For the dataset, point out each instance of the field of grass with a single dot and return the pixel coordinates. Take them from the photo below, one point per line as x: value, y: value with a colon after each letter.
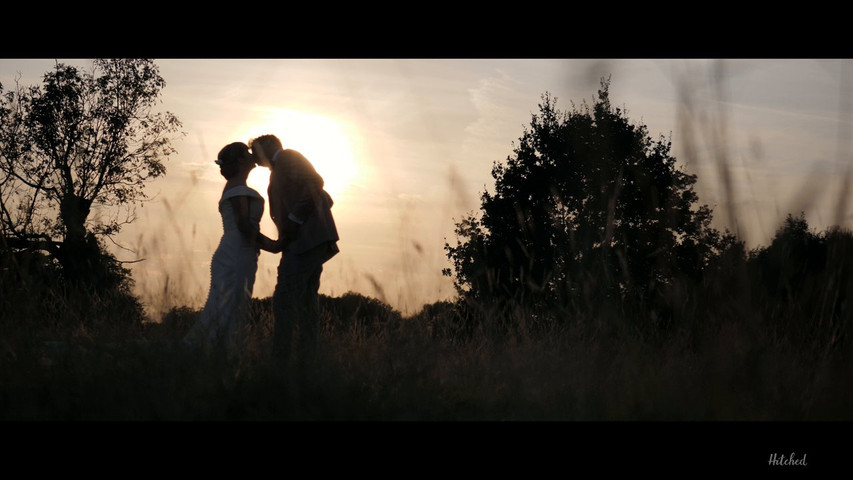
x: 79, y: 363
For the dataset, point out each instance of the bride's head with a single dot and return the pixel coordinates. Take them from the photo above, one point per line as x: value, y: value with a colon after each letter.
x: 234, y: 159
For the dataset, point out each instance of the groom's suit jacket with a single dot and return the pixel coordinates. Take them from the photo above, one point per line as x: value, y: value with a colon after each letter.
x: 299, y: 206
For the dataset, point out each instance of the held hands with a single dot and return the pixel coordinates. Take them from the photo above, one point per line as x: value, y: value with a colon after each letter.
x: 269, y: 245
x: 279, y: 245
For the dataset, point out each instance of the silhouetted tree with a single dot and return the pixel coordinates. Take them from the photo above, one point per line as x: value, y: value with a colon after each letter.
x: 805, y: 279
x: 588, y: 207
x: 795, y: 253
x: 83, y: 139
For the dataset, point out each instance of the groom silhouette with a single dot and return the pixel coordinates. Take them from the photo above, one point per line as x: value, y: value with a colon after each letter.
x: 301, y: 211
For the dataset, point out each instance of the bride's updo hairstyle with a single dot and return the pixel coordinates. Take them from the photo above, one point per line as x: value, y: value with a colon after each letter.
x: 229, y: 158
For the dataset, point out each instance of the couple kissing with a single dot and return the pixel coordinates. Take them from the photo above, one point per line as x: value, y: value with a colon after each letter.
x: 306, y: 239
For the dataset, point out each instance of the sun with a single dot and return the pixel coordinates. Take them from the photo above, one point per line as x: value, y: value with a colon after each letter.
x: 324, y: 141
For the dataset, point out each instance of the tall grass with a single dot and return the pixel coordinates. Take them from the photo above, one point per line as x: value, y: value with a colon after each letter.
x: 376, y: 365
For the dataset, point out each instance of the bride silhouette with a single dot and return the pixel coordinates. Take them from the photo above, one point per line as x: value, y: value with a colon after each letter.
x: 232, y: 269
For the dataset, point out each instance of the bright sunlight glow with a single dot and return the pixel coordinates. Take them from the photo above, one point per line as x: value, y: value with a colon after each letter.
x: 322, y: 140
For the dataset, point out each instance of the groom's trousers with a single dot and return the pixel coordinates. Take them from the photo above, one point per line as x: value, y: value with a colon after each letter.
x: 296, y: 305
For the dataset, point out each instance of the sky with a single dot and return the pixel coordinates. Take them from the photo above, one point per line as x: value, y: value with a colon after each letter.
x: 406, y: 147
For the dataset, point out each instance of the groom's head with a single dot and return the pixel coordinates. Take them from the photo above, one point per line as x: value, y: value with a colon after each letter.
x: 264, y: 148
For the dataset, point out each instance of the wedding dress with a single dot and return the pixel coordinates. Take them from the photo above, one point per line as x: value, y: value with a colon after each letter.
x: 232, y: 277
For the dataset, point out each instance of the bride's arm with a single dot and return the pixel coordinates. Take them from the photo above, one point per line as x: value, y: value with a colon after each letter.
x: 268, y: 244
x: 240, y: 204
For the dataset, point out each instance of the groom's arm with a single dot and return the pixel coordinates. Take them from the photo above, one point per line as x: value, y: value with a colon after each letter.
x: 277, y: 206
x: 303, y: 179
